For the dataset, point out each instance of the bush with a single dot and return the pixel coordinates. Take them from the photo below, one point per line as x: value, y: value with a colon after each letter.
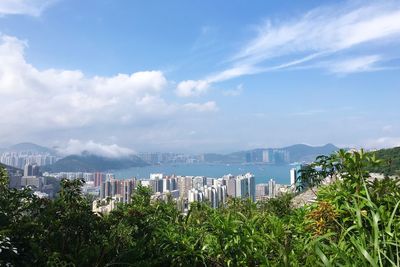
x: 354, y: 222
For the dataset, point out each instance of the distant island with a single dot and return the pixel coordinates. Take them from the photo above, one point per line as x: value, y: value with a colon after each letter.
x: 91, y: 163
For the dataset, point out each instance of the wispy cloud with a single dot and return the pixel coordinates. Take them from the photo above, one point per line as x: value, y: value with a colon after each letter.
x: 322, y: 32
x: 358, y: 64
x: 315, y: 37
x: 234, y: 92
x: 24, y: 7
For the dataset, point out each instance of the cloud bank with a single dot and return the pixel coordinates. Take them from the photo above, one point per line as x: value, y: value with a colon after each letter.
x: 36, y: 101
x: 77, y: 147
x: 24, y: 7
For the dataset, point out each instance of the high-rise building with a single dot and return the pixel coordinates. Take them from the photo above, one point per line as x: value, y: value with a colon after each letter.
x: 88, y: 177
x: 211, y: 194
x: 230, y: 182
x: 242, y: 187
x: 28, y: 170
x: 272, y: 188
x: 185, y: 183
x: 267, y: 156
x: 261, y: 191
x: 249, y: 157
x: 34, y: 182
x: 195, y: 195
x: 169, y: 183
x: 110, y: 176
x: 215, y: 194
x: 35, y: 170
x: 99, y: 178
x: 32, y: 177
x: 199, y: 181
x: 281, y: 156
x: 127, y: 188
x: 156, y: 182
x: 252, y: 186
x: 295, y: 178
x: 116, y: 187
x: 245, y: 186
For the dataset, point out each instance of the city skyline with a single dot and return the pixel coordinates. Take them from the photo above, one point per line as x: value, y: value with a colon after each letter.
x: 199, y: 77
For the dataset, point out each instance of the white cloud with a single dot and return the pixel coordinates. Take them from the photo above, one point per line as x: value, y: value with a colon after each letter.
x: 191, y: 88
x: 77, y: 147
x: 358, y: 64
x: 324, y: 30
x: 319, y: 35
x: 204, y: 107
x: 24, y: 7
x: 384, y: 142
x: 36, y: 101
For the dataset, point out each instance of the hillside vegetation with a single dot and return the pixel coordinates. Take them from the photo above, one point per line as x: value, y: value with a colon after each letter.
x: 390, y: 161
x: 354, y: 222
x: 91, y: 163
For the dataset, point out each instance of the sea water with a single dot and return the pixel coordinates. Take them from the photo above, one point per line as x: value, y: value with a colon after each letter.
x: 262, y: 173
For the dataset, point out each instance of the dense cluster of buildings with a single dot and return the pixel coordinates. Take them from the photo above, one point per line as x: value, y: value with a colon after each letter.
x: 265, y: 156
x: 20, y: 159
x: 268, y: 156
x: 165, y: 158
x: 108, y: 191
x: 188, y: 189
x: 30, y: 177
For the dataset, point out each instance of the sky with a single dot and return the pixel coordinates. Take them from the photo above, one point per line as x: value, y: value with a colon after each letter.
x: 199, y: 76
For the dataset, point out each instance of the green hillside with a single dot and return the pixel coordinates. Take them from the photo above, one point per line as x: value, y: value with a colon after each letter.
x: 390, y: 161
x: 90, y: 163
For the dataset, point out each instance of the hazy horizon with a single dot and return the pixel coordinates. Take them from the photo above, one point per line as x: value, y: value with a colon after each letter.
x: 103, y: 150
x: 199, y: 77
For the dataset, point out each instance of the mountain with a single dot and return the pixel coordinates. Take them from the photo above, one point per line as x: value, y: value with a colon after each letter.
x: 91, y: 163
x: 301, y: 152
x: 30, y: 147
x: 11, y: 169
x: 297, y: 153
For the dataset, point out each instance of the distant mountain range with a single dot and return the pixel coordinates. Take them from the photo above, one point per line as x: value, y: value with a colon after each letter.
x: 91, y: 163
x: 30, y: 147
x: 301, y: 152
x: 296, y: 153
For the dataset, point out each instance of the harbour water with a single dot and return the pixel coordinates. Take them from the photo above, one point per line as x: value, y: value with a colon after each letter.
x: 262, y: 173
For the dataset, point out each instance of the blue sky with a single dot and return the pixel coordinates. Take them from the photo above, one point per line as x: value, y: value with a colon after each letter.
x: 197, y: 76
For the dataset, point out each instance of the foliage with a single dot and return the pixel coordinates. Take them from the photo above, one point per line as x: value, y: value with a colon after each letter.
x: 391, y: 161
x: 91, y: 163
x: 354, y: 222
